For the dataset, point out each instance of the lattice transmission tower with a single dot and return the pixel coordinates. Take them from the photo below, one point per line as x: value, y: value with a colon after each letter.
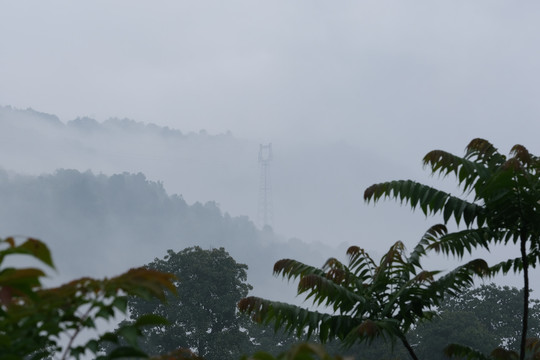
x: 265, y: 211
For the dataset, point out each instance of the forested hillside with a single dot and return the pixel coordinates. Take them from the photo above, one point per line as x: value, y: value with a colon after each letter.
x: 316, y: 187
x: 100, y: 225
x: 200, y: 166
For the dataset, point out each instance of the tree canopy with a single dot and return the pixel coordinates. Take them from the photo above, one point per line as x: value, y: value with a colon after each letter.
x: 202, y: 315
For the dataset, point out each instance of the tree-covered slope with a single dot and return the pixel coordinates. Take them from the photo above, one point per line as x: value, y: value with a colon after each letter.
x: 99, y: 225
x: 316, y: 186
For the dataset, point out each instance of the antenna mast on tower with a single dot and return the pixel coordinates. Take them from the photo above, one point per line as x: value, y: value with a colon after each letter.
x: 265, y: 213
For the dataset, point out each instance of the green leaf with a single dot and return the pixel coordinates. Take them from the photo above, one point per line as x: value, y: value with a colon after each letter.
x: 93, y: 346
x: 110, y: 337
x: 29, y: 276
x: 130, y: 333
x: 150, y: 319
x: 105, y: 312
x: 121, y: 303
x: 127, y: 351
x: 36, y: 248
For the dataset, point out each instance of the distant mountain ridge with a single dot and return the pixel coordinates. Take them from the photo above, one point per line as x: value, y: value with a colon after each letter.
x: 32, y: 142
x: 317, y: 188
x: 85, y: 123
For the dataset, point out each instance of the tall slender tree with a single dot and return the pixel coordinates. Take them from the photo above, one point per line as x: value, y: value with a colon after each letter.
x: 504, y: 204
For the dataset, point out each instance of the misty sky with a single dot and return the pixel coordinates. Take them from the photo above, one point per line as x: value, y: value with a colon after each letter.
x: 401, y: 77
x: 390, y: 78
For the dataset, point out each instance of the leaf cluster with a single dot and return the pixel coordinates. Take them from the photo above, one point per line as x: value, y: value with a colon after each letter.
x: 35, y: 321
x: 367, y: 299
x: 505, y: 192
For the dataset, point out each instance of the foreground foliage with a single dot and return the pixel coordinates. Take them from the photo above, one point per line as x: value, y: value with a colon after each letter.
x: 368, y: 299
x: 505, y: 205
x: 40, y: 323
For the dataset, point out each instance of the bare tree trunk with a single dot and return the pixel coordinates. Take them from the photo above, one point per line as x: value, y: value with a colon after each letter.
x: 525, y: 320
x: 408, y: 347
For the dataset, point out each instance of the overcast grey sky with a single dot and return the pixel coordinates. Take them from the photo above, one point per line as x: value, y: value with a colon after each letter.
x: 382, y: 80
x: 393, y: 75
x: 396, y: 78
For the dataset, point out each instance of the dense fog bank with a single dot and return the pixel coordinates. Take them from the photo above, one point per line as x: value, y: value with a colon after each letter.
x: 317, y: 188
